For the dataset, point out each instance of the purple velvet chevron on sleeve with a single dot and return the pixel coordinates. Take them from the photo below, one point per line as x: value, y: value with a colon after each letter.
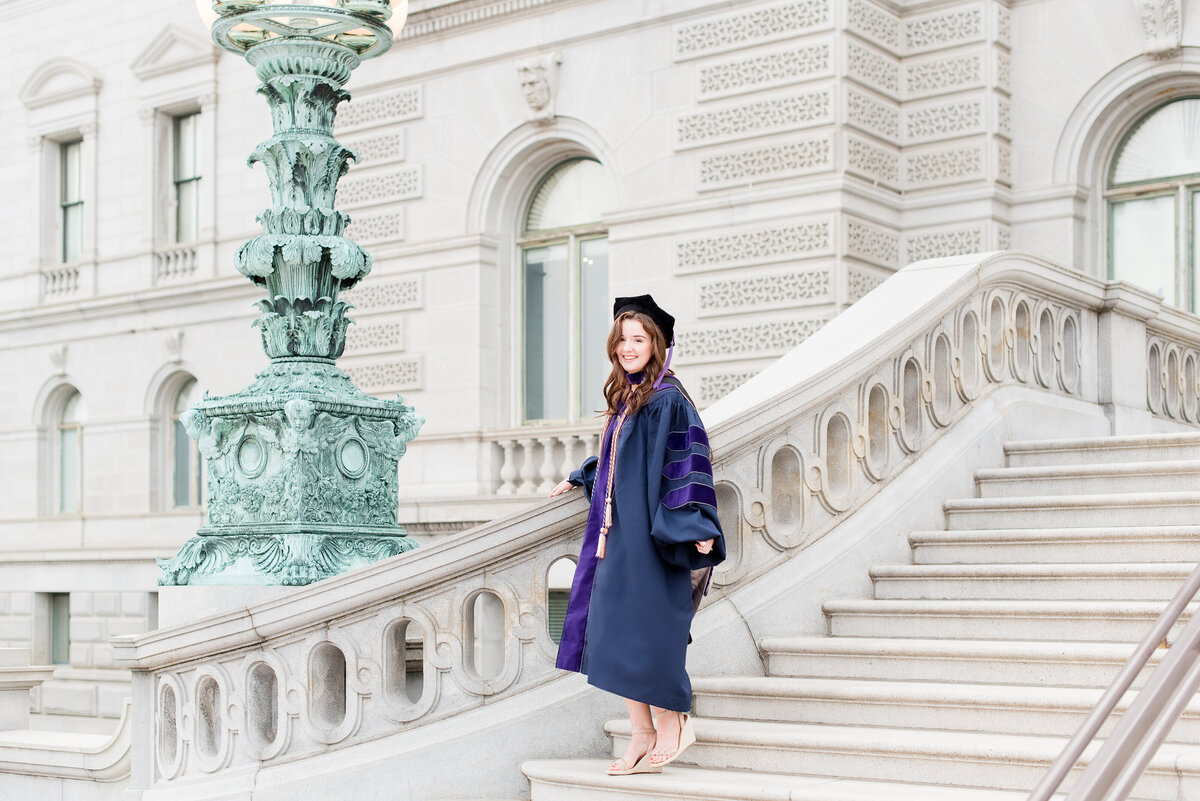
x: 687, y: 473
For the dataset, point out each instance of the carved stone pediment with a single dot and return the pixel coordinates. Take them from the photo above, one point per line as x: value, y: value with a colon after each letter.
x: 57, y: 80
x: 174, y: 48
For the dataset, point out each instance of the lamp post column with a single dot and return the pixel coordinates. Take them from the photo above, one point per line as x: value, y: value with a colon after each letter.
x: 301, y: 465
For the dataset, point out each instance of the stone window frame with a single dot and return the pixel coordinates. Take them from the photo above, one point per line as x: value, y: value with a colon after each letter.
x: 1091, y: 134
x: 496, y: 207
x: 178, y: 77
x: 62, y: 99
x: 53, y: 401
x: 160, y: 408
x: 1184, y: 188
x: 575, y: 238
x: 160, y: 118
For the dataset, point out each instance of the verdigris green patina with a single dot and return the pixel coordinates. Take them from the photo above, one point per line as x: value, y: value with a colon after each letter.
x: 301, y: 465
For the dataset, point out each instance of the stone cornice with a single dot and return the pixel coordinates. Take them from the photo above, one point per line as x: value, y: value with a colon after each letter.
x: 464, y: 12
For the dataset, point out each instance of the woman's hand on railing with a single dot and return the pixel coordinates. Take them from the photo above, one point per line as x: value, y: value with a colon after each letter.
x: 561, y: 487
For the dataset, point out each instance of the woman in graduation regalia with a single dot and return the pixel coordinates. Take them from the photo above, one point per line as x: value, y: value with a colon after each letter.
x: 652, y: 523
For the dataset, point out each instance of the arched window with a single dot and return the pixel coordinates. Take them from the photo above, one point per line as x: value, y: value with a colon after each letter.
x: 1153, y: 213
x: 185, y: 456
x: 69, y: 449
x: 564, y: 288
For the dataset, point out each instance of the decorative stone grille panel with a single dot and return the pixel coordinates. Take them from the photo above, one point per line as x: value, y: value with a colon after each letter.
x: 1003, y: 238
x: 779, y: 290
x: 717, y: 385
x: 755, y: 247
x: 377, y: 228
x: 1004, y: 118
x: 1003, y: 71
x: 936, y: 244
x: 873, y: 116
x: 943, y: 29
x: 938, y: 75
x: 402, y: 184
x: 762, y: 339
x: 873, y: 162
x: 764, y: 163
x: 871, y: 243
x: 1003, y: 164
x: 944, y: 120
x: 873, y: 68
x: 403, y: 374
x: 947, y: 166
x: 385, y: 295
x: 753, y: 119
x: 733, y: 31
x: 379, y: 337
x: 860, y: 282
x: 379, y: 149
x: 406, y: 104
x: 770, y: 69
x: 1003, y: 26
x: 874, y: 24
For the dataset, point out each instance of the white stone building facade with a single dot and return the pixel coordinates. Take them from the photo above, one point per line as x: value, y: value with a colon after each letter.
x: 757, y: 166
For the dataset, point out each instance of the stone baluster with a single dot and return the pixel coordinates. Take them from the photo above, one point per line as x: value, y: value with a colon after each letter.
x: 529, y: 470
x: 549, y: 468
x: 570, y: 461
x: 508, y: 468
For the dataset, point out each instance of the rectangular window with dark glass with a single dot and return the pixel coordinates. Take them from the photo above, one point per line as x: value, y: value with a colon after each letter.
x: 70, y: 200
x: 60, y: 628
x: 186, y: 176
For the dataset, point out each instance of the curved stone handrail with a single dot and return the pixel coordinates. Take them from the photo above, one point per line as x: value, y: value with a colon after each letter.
x: 798, y: 449
x: 66, y: 755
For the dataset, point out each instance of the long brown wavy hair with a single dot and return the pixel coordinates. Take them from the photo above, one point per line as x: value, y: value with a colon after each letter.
x: 617, y: 389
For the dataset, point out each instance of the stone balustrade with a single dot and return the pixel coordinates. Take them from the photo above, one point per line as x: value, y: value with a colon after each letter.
x: 459, y: 627
x: 174, y: 263
x: 60, y: 282
x: 532, y: 460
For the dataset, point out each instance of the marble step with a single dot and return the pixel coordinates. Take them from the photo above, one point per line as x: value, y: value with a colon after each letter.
x: 1091, y: 479
x: 1103, y: 450
x: 977, y: 759
x: 585, y: 780
x: 1057, y: 545
x: 1073, y: 511
x: 1000, y: 709
x: 1079, y: 621
x: 1017, y: 662
x: 1097, y: 582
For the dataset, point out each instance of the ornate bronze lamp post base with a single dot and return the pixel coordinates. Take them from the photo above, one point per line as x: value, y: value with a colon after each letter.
x: 301, y: 464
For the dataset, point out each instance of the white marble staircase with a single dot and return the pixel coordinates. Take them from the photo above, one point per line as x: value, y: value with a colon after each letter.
x: 962, y: 678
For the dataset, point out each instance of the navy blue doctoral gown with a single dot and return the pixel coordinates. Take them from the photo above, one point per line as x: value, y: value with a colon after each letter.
x: 629, y: 613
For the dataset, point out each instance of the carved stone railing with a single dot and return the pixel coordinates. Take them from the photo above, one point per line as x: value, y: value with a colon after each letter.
x: 60, y: 282
x: 174, y: 263
x: 456, y: 627
x: 533, y: 459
